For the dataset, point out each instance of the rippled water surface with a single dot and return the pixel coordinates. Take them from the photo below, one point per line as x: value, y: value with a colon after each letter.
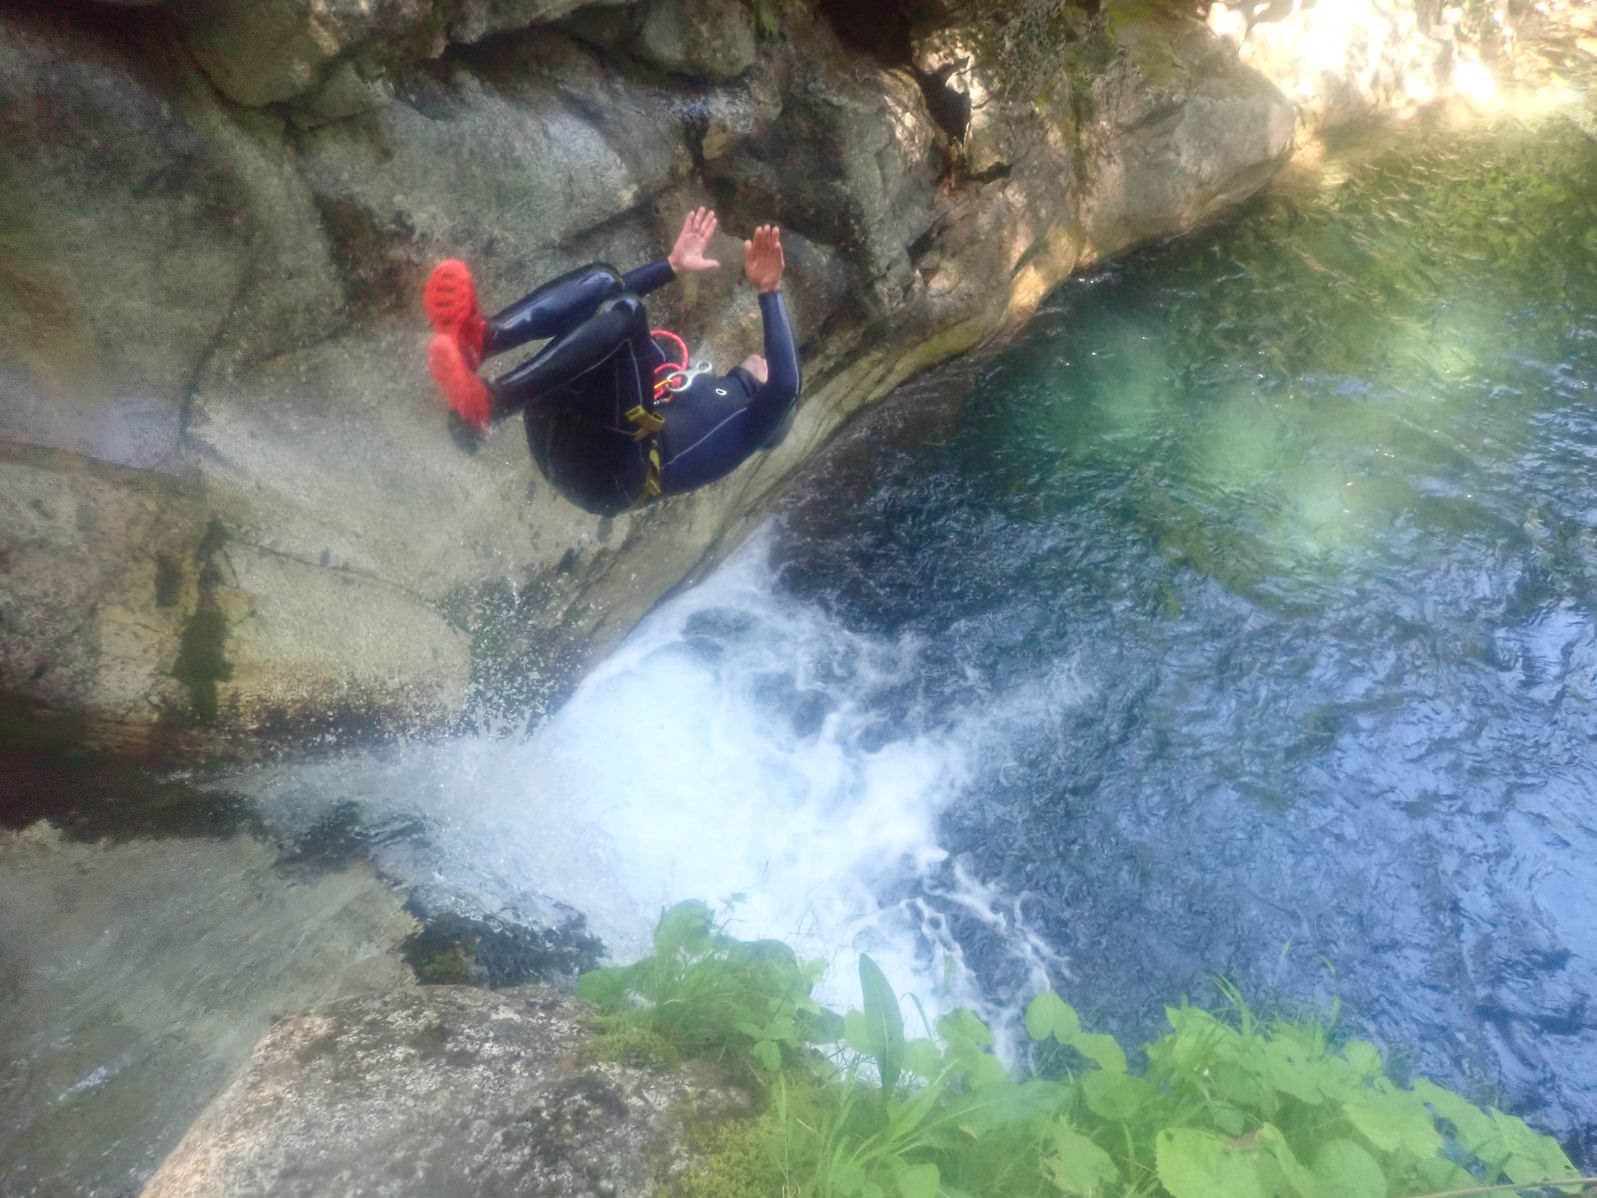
x: 1299, y: 518
x: 1238, y: 620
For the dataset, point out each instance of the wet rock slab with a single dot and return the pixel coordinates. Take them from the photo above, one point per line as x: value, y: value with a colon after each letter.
x: 440, y: 1091
x: 137, y: 975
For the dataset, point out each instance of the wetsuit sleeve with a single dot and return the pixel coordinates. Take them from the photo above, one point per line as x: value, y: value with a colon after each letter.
x: 783, y: 380
x: 649, y: 277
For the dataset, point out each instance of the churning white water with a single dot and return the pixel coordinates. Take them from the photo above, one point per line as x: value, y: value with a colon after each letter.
x: 731, y: 750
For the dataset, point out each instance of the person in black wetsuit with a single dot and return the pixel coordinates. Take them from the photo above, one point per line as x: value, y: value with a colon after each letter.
x: 612, y: 417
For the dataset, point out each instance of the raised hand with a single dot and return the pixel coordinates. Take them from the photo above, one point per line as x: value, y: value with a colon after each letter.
x: 687, y: 255
x: 762, y: 258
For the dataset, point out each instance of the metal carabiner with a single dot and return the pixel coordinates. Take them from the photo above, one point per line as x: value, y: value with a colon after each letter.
x: 680, y: 380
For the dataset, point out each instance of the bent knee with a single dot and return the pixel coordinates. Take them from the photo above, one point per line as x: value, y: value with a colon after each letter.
x: 625, y: 302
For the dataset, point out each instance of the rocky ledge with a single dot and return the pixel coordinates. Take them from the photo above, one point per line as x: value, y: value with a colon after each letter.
x: 228, y: 509
x: 442, y: 1091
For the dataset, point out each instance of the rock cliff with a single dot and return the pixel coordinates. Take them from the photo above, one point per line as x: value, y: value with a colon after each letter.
x: 228, y: 509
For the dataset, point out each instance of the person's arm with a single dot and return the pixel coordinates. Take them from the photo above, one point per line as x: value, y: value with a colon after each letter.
x: 783, y: 379
x: 763, y: 264
x: 651, y: 276
x: 686, y: 256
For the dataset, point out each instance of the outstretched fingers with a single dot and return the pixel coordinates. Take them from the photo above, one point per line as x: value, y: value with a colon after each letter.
x: 698, y: 226
x: 762, y: 258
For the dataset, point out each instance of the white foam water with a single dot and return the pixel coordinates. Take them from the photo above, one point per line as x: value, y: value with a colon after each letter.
x: 734, y: 749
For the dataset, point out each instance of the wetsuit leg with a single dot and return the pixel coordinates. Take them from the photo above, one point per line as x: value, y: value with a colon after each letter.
x: 603, y: 366
x: 553, y: 309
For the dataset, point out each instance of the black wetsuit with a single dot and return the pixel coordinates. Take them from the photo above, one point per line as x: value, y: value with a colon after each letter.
x: 574, y: 394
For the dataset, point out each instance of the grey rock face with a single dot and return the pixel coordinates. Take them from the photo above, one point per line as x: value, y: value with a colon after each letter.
x: 707, y: 38
x: 1175, y: 107
x: 263, y: 51
x: 120, y: 1030
x: 442, y: 1091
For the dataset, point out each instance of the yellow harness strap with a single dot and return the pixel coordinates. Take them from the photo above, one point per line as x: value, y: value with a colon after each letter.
x: 646, y: 426
x: 651, y: 482
x: 645, y: 423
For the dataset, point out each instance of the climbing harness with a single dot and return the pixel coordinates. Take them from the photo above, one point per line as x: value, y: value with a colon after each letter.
x: 670, y: 377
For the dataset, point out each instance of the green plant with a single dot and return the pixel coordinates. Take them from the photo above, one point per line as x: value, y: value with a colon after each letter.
x: 741, y: 1002
x: 1227, y: 1106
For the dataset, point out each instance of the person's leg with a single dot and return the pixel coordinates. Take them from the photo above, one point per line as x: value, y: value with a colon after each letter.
x: 562, y: 309
x: 553, y: 309
x: 450, y: 301
x: 605, y: 364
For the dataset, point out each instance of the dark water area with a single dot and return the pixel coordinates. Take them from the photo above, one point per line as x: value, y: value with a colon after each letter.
x: 1298, y: 519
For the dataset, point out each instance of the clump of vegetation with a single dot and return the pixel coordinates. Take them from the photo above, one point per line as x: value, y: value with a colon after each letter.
x: 1028, y: 46
x: 1224, y: 1107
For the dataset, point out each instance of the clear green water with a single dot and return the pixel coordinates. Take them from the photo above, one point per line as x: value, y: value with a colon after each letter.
x: 1294, y: 526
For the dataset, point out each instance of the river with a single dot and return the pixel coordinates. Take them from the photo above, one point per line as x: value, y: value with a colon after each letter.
x: 1238, y: 621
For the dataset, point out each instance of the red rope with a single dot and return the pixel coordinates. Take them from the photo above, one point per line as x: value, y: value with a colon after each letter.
x: 664, y: 371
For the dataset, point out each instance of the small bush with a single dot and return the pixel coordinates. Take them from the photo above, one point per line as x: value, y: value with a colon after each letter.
x: 1225, y: 1107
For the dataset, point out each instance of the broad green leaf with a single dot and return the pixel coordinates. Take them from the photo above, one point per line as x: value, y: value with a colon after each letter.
x: 848, y: 1178
x: 1438, y: 1175
x: 923, y: 1059
x: 961, y: 1027
x: 1229, y: 1119
x: 1003, y: 1104
x: 768, y: 1055
x: 684, y: 928
x: 1364, y: 1057
x: 917, y: 1181
x: 1531, y: 1156
x: 1242, y: 1086
x: 1296, y: 1175
x: 1049, y: 1015
x: 1287, y: 1068
x: 1104, y: 1050
x: 782, y: 1028
x: 856, y: 1033
x: 1199, y: 1164
x: 983, y: 1069
x: 1345, y: 1170
x: 1394, y: 1119
x: 1198, y: 1039
x: 884, y: 1022
x: 1116, y: 1097
x: 1076, y: 1164
x: 1477, y: 1134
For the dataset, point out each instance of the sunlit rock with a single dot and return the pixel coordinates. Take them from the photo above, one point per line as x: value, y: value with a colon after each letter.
x: 437, y: 1089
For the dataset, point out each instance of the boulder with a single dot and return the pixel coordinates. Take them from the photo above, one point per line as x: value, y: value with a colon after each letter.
x: 263, y: 51
x: 709, y: 39
x: 445, y: 1091
x: 324, y: 53
x: 1177, y: 129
